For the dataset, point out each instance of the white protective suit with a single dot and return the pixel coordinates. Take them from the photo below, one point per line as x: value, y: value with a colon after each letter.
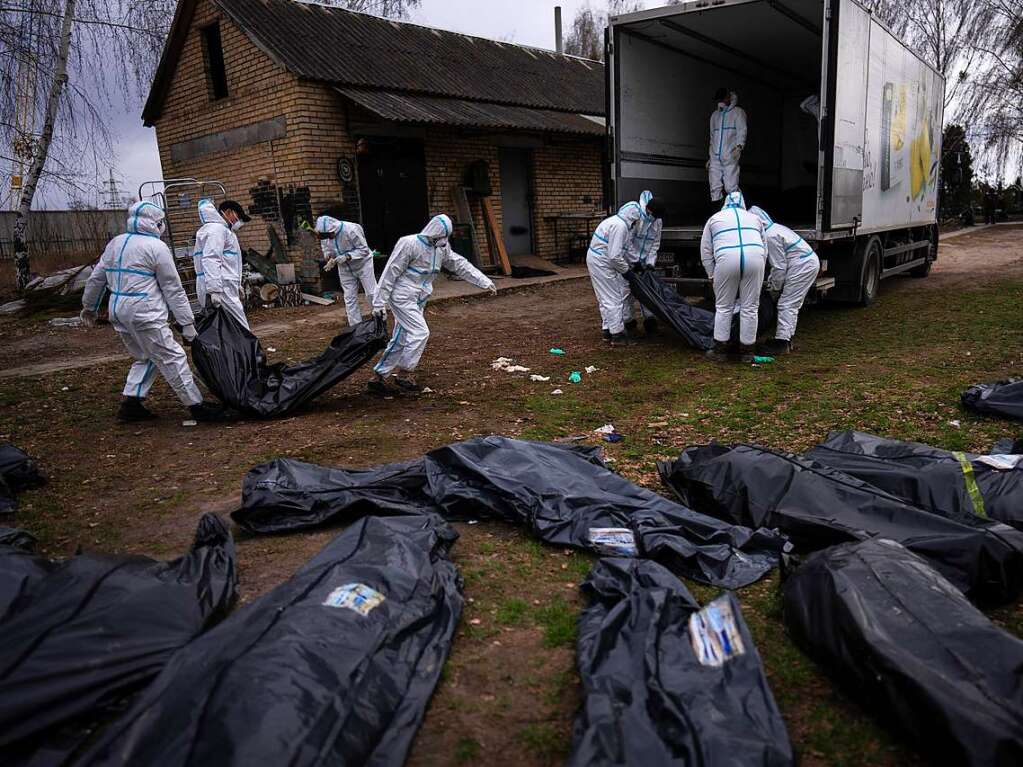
x: 607, y: 260
x: 794, y: 269
x: 727, y: 133
x: 218, y: 261
x: 734, y: 255
x: 407, y: 284
x: 354, y: 261
x: 138, y: 270
x: 643, y: 248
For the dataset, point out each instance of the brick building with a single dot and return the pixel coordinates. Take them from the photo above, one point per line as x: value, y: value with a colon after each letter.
x: 292, y: 106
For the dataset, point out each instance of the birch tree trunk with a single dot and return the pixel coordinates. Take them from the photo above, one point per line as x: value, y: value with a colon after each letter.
x: 42, y: 148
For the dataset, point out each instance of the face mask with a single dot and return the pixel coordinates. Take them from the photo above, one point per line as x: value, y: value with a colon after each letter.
x: 161, y: 225
x: 237, y: 225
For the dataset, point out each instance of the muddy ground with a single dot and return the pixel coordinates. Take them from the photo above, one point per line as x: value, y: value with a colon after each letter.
x: 510, y: 690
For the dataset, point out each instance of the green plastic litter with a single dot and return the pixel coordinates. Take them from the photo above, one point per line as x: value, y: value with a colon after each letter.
x: 576, y: 377
x: 763, y: 360
x: 559, y: 352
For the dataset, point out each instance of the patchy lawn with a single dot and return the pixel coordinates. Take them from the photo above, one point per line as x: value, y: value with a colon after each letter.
x: 509, y: 691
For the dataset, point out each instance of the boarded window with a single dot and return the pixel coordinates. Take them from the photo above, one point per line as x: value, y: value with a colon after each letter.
x: 213, y: 51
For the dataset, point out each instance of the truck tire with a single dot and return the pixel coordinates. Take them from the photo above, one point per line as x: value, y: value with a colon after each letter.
x: 870, y: 276
x: 932, y: 255
x: 921, y: 271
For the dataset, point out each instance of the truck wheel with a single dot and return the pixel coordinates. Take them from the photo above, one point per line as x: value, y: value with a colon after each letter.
x: 870, y: 282
x: 932, y: 254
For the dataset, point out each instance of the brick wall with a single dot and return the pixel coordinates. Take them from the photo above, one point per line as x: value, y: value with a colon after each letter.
x: 567, y: 178
x: 287, y: 179
x: 283, y: 180
x: 449, y: 153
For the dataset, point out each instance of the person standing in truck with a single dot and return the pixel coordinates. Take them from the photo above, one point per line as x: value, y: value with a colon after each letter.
x: 727, y: 139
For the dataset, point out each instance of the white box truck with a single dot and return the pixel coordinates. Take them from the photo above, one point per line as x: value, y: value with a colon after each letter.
x: 859, y: 183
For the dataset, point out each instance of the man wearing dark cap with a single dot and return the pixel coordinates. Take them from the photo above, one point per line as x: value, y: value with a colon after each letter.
x: 218, y: 257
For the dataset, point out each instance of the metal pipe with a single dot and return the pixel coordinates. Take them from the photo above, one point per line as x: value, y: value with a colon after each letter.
x: 559, y: 43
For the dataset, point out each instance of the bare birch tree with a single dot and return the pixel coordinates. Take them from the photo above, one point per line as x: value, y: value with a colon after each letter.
x: 993, y: 104
x: 586, y: 36
x: 70, y: 64
x: 69, y: 67
x: 978, y: 46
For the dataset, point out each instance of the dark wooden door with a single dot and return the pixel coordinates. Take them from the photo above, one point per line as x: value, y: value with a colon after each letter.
x: 392, y: 186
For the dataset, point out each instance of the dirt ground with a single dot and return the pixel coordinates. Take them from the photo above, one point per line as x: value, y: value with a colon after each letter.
x: 509, y: 692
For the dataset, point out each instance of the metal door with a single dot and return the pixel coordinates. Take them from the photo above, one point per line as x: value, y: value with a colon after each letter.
x: 515, y: 201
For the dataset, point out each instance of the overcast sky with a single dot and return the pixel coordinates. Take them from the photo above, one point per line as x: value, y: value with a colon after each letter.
x: 527, y: 22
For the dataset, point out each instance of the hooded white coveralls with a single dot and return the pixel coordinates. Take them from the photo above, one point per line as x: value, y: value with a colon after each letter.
x: 607, y: 260
x: 218, y: 261
x: 354, y: 261
x: 407, y: 284
x: 138, y: 270
x: 643, y: 248
x: 727, y: 131
x: 794, y: 269
x: 734, y: 255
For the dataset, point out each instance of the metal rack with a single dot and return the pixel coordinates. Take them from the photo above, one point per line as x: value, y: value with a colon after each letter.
x: 181, y: 244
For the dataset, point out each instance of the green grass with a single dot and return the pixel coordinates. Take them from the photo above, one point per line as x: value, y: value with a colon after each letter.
x: 558, y: 621
x: 895, y: 369
x: 544, y: 741
x: 512, y: 612
x: 467, y: 750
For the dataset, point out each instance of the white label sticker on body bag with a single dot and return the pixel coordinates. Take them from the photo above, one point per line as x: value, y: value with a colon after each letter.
x: 355, y: 596
x: 1000, y: 462
x: 715, y: 634
x: 614, y: 541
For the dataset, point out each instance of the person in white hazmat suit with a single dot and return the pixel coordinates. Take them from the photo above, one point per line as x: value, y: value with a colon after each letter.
x: 138, y: 270
x: 727, y: 140
x: 607, y: 260
x: 642, y: 254
x: 344, y: 246
x: 218, y: 257
x: 405, y: 286
x: 734, y: 256
x: 794, y: 269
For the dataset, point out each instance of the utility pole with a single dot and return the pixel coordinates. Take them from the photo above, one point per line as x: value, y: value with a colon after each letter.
x: 114, y: 198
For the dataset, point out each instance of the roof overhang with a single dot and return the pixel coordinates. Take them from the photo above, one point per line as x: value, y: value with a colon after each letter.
x: 433, y: 110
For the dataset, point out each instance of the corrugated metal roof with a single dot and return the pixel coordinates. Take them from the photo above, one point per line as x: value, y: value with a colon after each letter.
x: 330, y: 44
x: 433, y: 110
x: 354, y: 49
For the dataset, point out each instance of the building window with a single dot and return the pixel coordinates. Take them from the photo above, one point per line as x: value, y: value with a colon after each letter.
x: 213, y: 51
